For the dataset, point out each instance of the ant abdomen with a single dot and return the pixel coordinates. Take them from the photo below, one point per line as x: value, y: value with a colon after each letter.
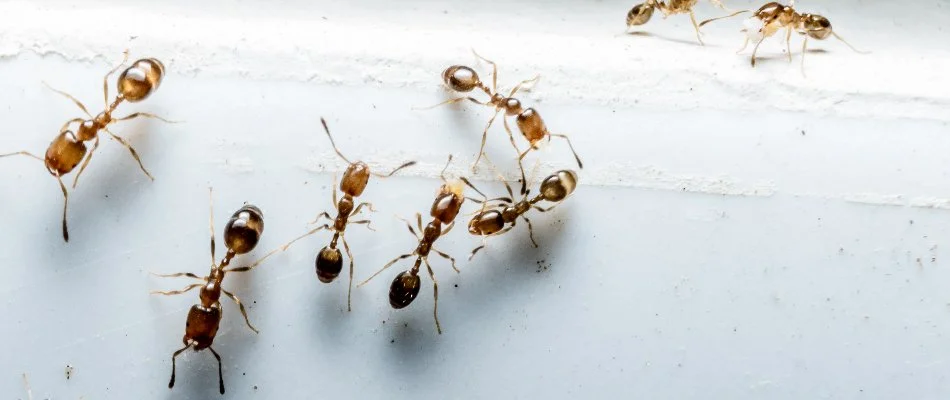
x: 141, y: 79
x: 355, y: 179
x: 461, y: 78
x: 531, y: 125
x: 559, y: 185
x: 639, y: 14
x: 486, y: 223
x: 244, y: 229
x: 404, y: 289
x: 329, y: 264
x: 64, y: 153
x: 202, y: 325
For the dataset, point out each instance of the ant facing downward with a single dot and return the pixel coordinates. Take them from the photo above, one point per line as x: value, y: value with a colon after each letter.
x: 502, y: 217
x: 241, y: 234
x: 68, y: 149
x: 641, y: 13
x: 770, y: 18
x: 464, y: 79
x: 405, y: 287
x: 329, y: 260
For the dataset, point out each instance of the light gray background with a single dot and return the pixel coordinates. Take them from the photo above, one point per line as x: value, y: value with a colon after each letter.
x: 739, y: 233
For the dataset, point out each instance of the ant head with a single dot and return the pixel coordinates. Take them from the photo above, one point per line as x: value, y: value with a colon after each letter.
x: 404, y: 289
x: 639, y: 14
x: 141, y: 79
x: 244, y: 229
x: 329, y: 264
x: 355, y: 179
x: 461, y: 78
x: 486, y: 223
x: 816, y: 26
x: 559, y: 185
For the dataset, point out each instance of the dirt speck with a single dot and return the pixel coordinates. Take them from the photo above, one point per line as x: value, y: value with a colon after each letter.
x: 542, y: 266
x: 70, y: 371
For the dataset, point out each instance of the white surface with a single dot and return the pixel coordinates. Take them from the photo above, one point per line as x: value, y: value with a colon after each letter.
x: 714, y: 250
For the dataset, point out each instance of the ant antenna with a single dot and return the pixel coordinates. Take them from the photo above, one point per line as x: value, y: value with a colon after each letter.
x: 325, y: 128
x: 849, y: 44
x: 722, y: 17
x: 393, y: 172
x: 442, y: 174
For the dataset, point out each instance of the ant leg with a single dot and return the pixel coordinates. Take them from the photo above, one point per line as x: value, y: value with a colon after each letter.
x: 26, y: 385
x: 701, y: 24
x: 530, y: 231
x: 511, y: 137
x: 177, y: 292
x: 393, y: 172
x: 448, y: 228
x: 180, y: 274
x: 481, y: 150
x: 105, y: 79
x: 243, y: 310
x: 442, y: 173
x: 23, y: 153
x: 849, y: 44
x: 369, y: 206
x: 435, y: 296
x: 389, y: 264
x: 788, y: 43
x: 419, y: 222
x: 542, y: 209
x: 135, y: 154
x: 576, y: 158
x: 211, y: 223
x: 66, y: 125
x: 335, y: 203
x: 146, y: 115
x: 448, y: 257
x: 220, y: 375
x: 349, y: 290
x: 756, y: 49
x: 86, y: 162
x: 171, y: 382
x: 409, y: 225
x: 451, y: 101
x: 494, y: 70
x: 65, y: 205
x: 521, y: 84
x: 744, y: 45
x: 69, y: 96
x: 699, y: 35
x: 363, y: 221
x: 255, y: 264
x: 321, y: 215
x: 475, y: 250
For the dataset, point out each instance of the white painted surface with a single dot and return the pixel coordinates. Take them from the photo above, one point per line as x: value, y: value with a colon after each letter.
x: 739, y: 233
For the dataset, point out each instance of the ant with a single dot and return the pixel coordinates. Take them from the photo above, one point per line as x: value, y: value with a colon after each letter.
x: 241, y: 235
x: 641, y: 13
x: 405, y: 287
x: 772, y: 17
x: 68, y: 149
x: 329, y: 260
x: 464, y: 79
x: 502, y: 217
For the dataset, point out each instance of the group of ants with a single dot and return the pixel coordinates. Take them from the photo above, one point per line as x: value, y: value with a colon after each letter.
x: 245, y: 227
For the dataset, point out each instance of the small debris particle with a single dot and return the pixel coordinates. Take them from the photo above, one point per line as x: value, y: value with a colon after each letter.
x: 69, y: 371
x: 456, y: 285
x: 255, y: 387
x: 392, y: 340
x: 803, y: 132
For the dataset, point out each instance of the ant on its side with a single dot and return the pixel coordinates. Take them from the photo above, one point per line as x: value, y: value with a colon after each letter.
x: 641, y: 13
x: 770, y: 18
x: 405, y: 287
x: 241, y: 234
x: 500, y: 218
x: 68, y: 149
x: 329, y: 260
x: 464, y: 79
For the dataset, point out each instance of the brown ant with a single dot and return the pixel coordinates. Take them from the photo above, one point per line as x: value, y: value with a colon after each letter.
x: 770, y: 18
x: 68, y: 149
x: 464, y: 79
x: 329, y: 260
x: 241, y: 234
x: 502, y: 217
x: 641, y: 13
x: 405, y: 287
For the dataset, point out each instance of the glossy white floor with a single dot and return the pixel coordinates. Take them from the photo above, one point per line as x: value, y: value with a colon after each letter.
x: 738, y: 232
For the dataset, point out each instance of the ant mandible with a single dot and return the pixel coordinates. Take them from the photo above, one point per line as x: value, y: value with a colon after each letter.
x: 329, y: 260
x: 770, y: 18
x: 641, y: 13
x: 241, y: 234
x: 464, y: 79
x: 405, y: 287
x: 68, y: 149
x: 502, y: 217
